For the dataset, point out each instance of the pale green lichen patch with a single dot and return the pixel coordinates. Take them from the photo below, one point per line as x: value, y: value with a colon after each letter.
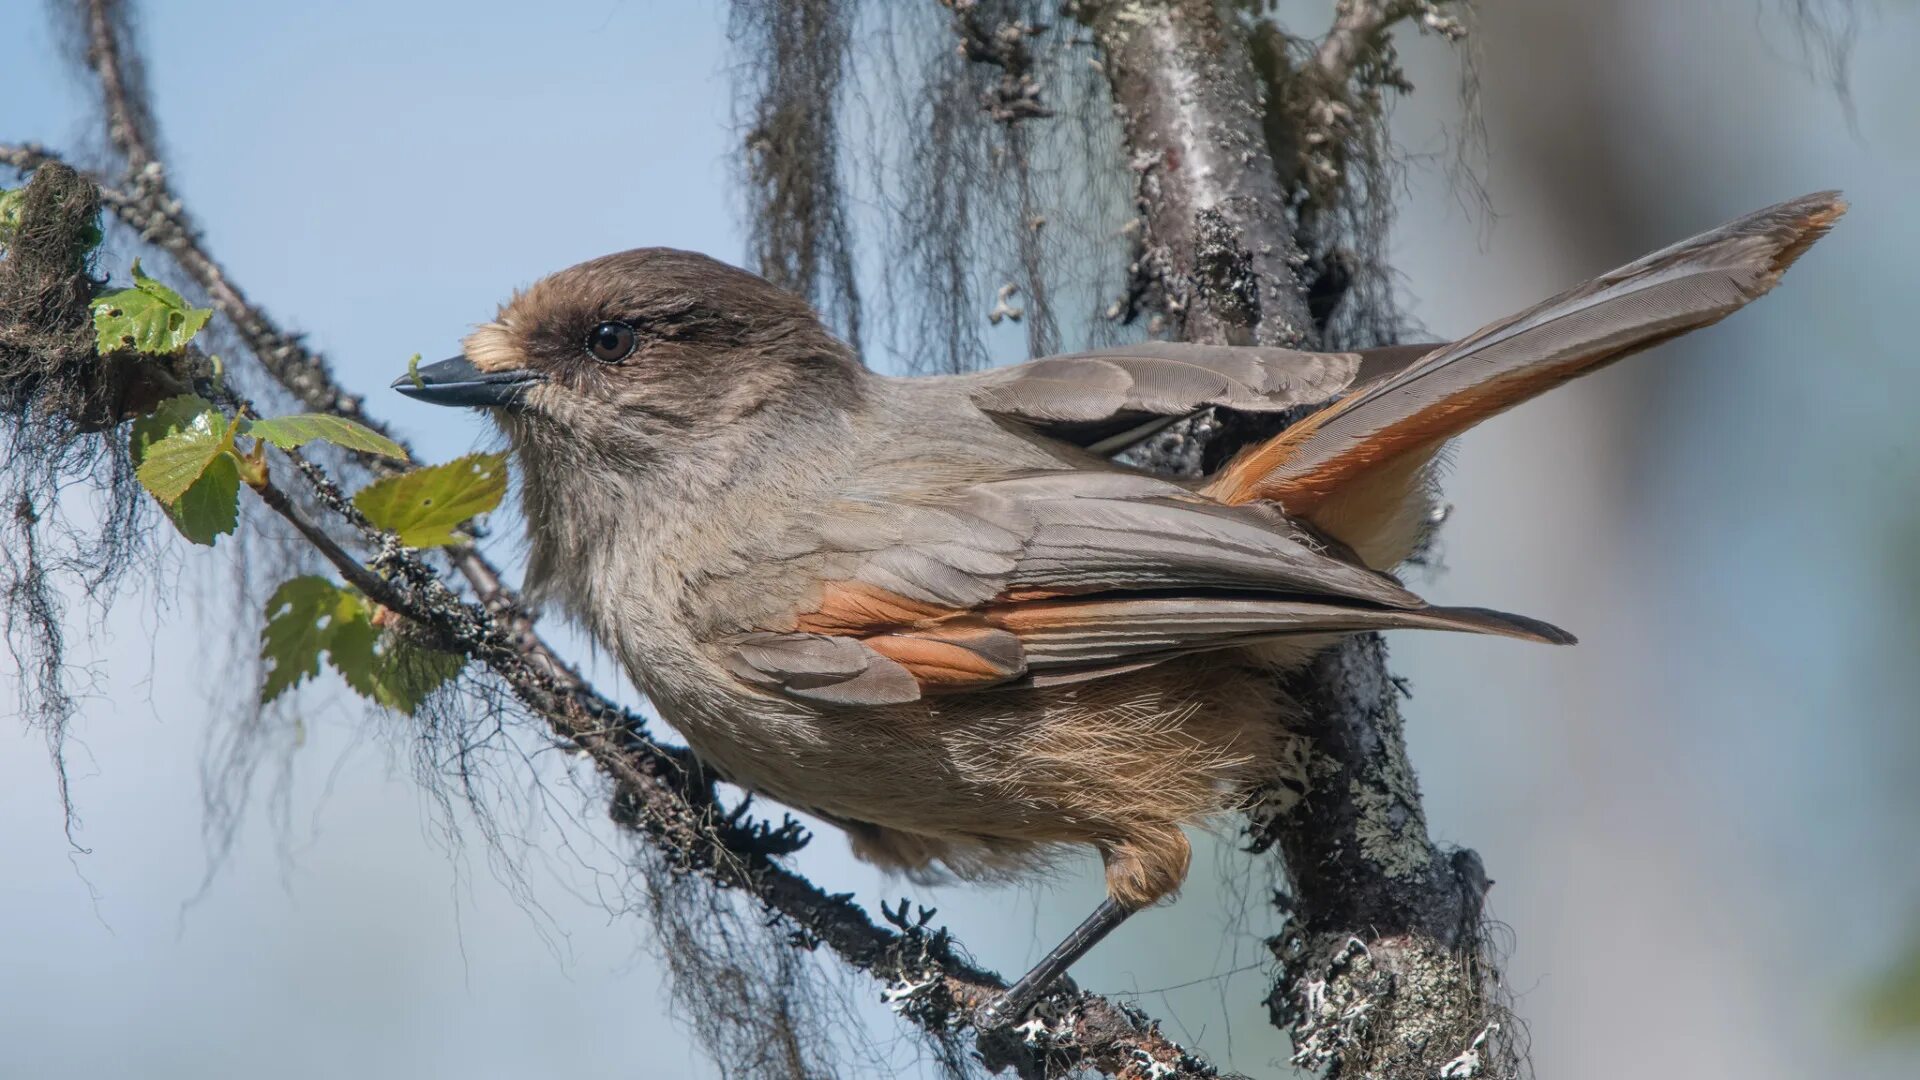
x: 1333, y: 1012
x: 1391, y: 827
x: 1391, y: 830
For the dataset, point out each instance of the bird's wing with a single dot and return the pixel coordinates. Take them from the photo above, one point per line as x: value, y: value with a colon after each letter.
x: 1086, y: 397
x: 1057, y: 576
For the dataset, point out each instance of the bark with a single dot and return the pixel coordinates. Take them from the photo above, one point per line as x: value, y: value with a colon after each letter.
x: 1383, y: 969
x: 1218, y: 251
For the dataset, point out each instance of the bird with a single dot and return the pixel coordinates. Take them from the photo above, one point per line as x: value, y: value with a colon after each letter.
x: 937, y: 612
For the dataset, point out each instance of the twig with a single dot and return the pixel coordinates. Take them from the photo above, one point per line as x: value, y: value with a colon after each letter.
x: 126, y: 113
x: 350, y: 568
x: 1358, y: 26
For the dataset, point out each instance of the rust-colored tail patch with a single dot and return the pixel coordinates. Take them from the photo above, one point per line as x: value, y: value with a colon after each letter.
x: 1411, y: 413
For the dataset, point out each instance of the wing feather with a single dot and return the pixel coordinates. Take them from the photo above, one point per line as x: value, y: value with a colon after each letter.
x: 833, y: 669
x: 1692, y: 284
x: 1042, y: 576
x: 1086, y: 397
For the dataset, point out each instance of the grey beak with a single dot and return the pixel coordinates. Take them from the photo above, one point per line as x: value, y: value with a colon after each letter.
x: 458, y: 382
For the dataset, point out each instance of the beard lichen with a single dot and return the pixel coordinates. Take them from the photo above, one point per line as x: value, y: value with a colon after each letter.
x: 71, y: 511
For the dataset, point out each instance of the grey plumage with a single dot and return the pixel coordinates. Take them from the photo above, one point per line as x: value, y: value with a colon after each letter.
x: 1084, y: 397
x: 820, y: 667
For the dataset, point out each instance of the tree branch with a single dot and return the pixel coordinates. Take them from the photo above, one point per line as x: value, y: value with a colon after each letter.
x: 1383, y: 969
x: 1217, y: 248
x: 149, y: 206
x: 1359, y: 27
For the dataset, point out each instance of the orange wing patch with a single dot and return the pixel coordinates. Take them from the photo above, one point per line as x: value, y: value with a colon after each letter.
x: 951, y: 658
x: 856, y: 608
x: 944, y: 648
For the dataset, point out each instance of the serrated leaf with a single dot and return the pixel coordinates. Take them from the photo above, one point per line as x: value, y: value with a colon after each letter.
x: 211, y: 506
x: 169, y: 416
x: 287, y: 432
x: 351, y: 652
x: 310, y: 617
x: 424, y: 506
x: 385, y: 669
x: 301, y: 617
x: 169, y: 466
x: 149, y: 317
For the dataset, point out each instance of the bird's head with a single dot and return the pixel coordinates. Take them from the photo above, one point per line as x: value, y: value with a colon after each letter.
x: 651, y: 351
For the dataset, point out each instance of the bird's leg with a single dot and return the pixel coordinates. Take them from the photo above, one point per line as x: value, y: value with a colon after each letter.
x: 1022, y: 994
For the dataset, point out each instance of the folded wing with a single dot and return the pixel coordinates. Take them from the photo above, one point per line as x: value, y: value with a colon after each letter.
x: 1058, y: 576
x: 1088, y: 397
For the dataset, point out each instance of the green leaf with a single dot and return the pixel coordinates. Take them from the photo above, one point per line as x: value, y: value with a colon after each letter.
x: 352, y: 652
x: 409, y: 673
x: 170, y: 466
x: 287, y: 432
x: 11, y: 204
x: 423, y: 506
x: 171, y: 415
x: 311, y: 616
x: 301, y: 617
x: 148, y: 317
x: 387, y: 670
x: 211, y: 507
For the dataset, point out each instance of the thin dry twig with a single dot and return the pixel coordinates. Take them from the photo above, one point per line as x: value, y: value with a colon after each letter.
x: 1358, y: 26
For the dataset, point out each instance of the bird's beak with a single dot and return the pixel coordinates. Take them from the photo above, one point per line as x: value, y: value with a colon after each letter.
x: 458, y: 382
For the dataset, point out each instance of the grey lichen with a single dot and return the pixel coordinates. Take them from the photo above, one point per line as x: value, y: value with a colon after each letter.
x: 1391, y: 826
x: 1400, y: 1006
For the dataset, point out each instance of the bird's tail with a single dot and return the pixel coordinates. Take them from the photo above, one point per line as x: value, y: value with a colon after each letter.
x: 1382, y: 435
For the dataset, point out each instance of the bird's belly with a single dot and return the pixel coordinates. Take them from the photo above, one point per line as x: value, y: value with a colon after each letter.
x: 1171, y: 744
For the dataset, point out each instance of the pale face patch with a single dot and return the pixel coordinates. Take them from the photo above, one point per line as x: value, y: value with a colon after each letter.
x: 491, y: 347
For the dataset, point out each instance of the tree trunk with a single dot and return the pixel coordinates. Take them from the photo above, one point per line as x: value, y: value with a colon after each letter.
x: 1383, y: 972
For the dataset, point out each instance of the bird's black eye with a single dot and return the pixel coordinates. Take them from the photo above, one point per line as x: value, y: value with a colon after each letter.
x: 611, y: 342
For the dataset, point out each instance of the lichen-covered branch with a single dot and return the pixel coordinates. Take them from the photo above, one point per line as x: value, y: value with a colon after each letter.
x: 1217, y: 252
x: 1326, y: 126
x: 1385, y: 970
x: 1384, y: 973
x: 1360, y: 27
x: 147, y: 203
